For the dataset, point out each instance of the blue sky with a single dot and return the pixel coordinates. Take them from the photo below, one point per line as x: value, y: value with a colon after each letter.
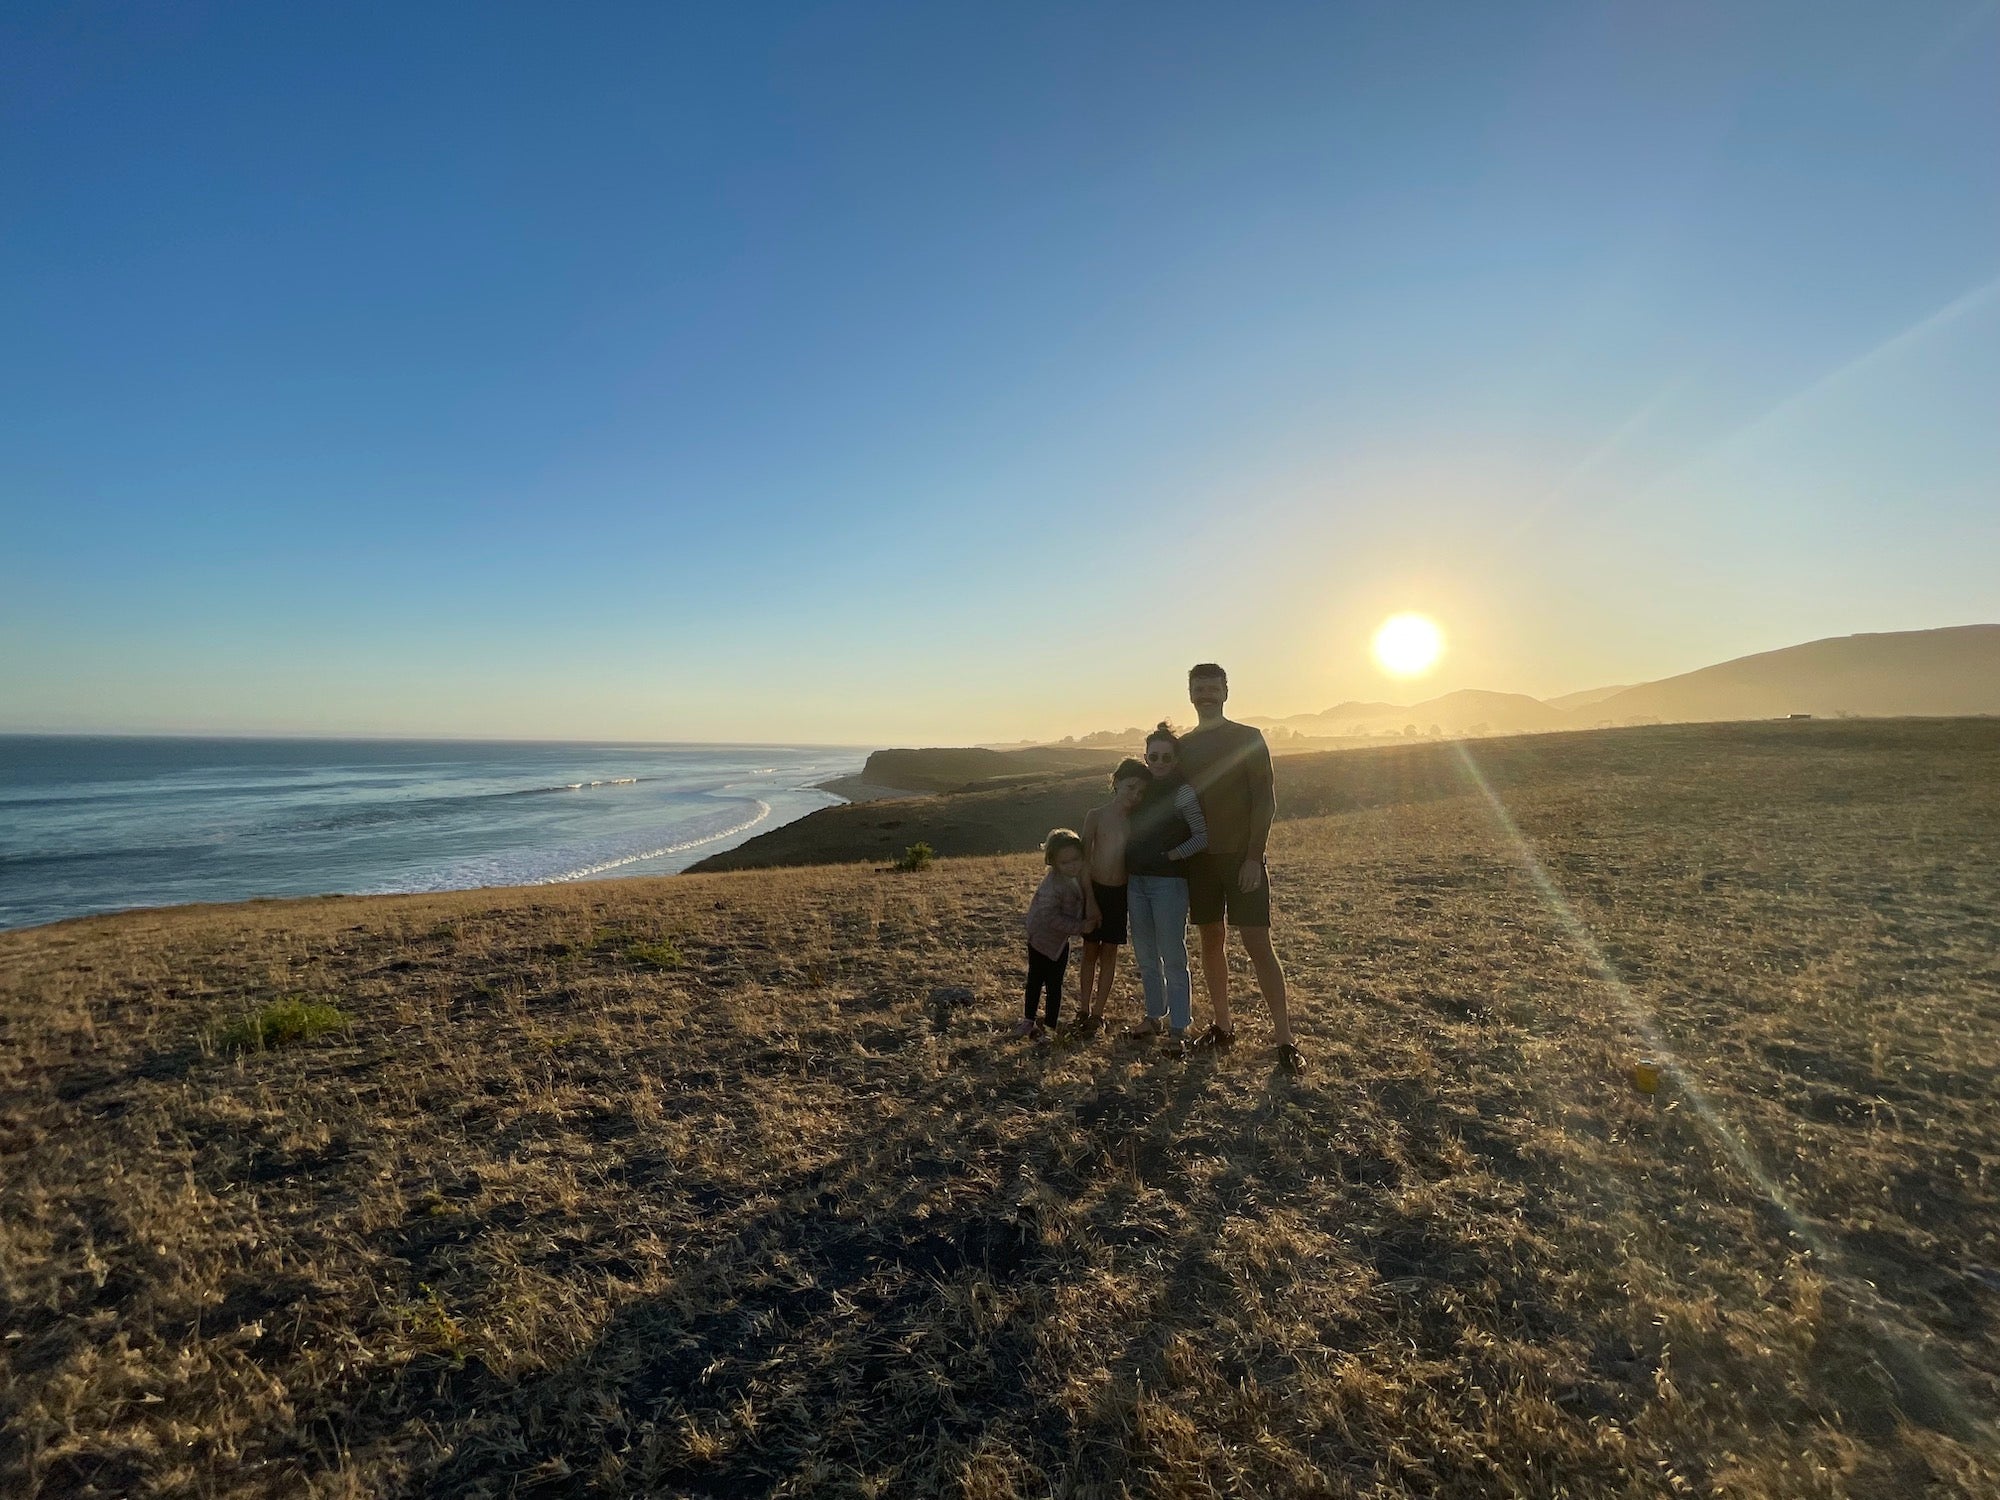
x: 941, y: 372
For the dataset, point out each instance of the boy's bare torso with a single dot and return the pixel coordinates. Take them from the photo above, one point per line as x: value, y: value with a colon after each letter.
x: 1104, y: 834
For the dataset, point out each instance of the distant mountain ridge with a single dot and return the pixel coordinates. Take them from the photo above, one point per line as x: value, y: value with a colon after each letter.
x: 1943, y: 673
x: 1923, y: 673
x: 1585, y: 698
x: 1461, y: 712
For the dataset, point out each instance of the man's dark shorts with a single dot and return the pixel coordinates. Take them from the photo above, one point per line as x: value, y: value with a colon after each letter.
x: 1111, y: 907
x: 1214, y: 892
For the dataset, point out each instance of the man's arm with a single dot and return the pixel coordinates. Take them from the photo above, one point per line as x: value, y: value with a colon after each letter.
x: 1263, y: 795
x: 1263, y: 807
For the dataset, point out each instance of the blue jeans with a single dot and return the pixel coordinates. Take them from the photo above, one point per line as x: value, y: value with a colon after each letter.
x: 1159, y: 907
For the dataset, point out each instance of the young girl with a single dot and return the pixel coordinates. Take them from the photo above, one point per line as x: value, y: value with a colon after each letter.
x: 1054, y: 917
x: 1167, y: 831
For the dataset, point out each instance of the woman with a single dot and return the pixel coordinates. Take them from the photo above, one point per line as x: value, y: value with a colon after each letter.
x: 1167, y: 831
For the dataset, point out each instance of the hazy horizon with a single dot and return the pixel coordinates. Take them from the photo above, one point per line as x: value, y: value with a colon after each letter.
x: 891, y: 375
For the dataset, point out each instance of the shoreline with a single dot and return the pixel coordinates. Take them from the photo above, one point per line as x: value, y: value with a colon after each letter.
x: 608, y: 816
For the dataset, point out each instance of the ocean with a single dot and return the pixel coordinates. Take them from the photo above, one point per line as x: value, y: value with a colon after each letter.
x: 99, y: 824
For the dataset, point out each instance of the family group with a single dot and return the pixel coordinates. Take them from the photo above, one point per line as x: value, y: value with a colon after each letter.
x: 1181, y: 839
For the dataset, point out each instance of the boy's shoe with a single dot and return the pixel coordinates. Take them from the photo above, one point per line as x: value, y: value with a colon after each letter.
x: 1290, y: 1059
x: 1215, y: 1037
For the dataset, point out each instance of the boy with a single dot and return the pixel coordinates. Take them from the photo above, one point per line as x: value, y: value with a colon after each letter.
x: 1104, y: 833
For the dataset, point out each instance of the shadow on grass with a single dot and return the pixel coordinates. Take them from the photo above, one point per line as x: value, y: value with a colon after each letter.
x: 908, y: 1309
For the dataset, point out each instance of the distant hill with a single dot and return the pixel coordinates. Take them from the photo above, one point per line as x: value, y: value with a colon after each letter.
x: 1930, y: 673
x: 1587, y: 697
x: 950, y: 770
x: 1453, y: 713
x: 1942, y: 673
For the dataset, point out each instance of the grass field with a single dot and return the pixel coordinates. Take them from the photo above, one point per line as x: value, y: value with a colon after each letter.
x: 726, y: 1184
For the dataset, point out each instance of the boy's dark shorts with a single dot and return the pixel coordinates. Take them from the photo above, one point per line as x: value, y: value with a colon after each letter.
x: 1213, y: 892
x: 1111, y: 907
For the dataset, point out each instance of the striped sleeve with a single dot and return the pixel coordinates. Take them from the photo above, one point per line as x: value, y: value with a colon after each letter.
x: 1188, y: 805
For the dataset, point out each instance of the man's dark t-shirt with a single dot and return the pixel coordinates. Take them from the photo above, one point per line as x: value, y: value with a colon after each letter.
x: 1229, y: 766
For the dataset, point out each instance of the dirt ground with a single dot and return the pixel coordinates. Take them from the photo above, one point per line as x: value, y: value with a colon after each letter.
x: 730, y: 1185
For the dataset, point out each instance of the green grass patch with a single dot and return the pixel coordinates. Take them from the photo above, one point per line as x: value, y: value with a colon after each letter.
x: 293, y: 1018
x: 664, y: 954
x: 431, y: 1329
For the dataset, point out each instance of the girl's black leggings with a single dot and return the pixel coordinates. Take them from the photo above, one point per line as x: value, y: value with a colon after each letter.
x: 1046, y: 975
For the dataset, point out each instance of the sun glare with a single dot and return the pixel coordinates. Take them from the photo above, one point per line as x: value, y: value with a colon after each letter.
x: 1408, y: 645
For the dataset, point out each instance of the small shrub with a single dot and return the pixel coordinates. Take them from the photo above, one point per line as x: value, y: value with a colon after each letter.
x: 660, y: 955
x: 917, y: 857
x: 290, y: 1019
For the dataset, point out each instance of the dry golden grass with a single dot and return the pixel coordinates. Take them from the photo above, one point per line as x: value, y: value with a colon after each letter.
x: 558, y: 1214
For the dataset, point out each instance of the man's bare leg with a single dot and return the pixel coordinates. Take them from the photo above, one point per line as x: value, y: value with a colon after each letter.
x: 1094, y: 955
x: 1215, y: 972
x: 1270, y: 979
x: 1107, y: 967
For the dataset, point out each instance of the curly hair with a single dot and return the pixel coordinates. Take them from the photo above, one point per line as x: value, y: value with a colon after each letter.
x: 1058, y: 840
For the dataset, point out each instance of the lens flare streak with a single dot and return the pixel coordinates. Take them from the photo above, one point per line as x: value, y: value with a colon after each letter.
x: 1909, y: 1359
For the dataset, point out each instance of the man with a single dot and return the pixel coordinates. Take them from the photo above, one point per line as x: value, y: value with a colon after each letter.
x: 1229, y: 766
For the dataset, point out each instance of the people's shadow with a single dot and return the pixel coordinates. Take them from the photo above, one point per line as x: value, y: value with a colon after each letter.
x: 849, y: 1322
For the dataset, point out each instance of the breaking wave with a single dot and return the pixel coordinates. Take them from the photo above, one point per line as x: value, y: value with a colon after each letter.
x: 763, y: 812
x: 556, y: 866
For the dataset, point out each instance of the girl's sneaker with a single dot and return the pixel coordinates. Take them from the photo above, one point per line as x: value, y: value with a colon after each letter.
x: 1023, y: 1027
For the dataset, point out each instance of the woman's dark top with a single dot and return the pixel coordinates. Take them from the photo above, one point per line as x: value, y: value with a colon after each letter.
x: 1167, y: 822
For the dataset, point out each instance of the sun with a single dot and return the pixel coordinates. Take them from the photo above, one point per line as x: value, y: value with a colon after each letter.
x: 1408, y: 645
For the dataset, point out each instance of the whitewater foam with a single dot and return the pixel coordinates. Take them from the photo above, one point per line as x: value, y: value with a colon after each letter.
x: 91, y: 824
x: 532, y: 868
x: 763, y: 812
